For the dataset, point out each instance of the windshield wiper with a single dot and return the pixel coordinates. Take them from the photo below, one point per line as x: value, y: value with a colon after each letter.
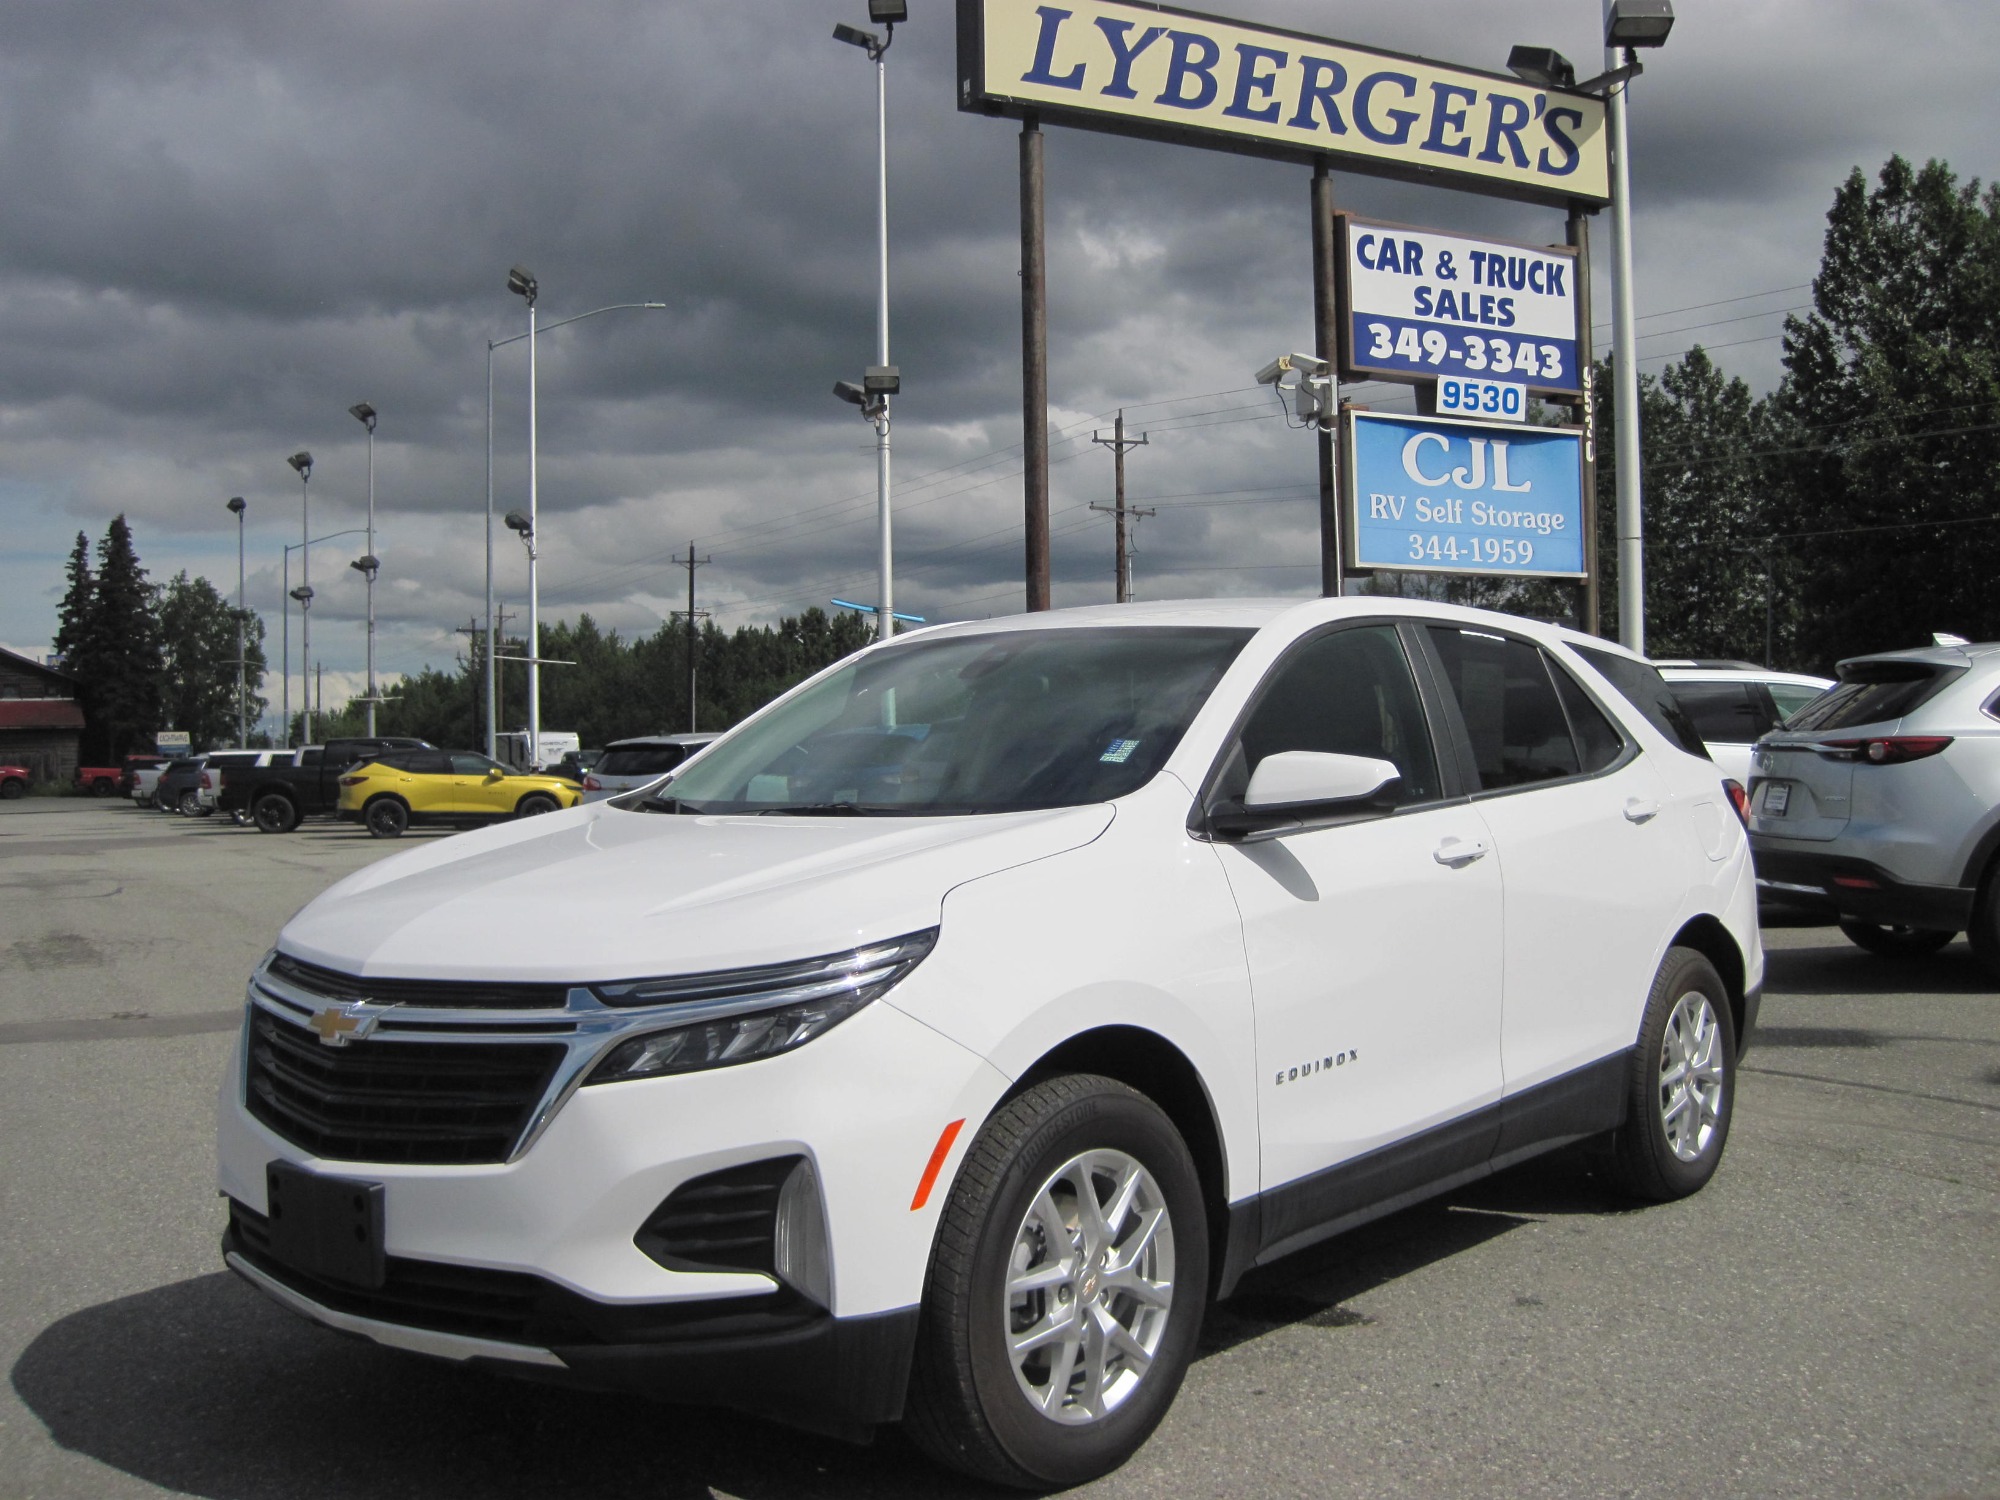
x: 816, y: 810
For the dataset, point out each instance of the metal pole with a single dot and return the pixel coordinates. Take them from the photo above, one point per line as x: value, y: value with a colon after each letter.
x: 492, y: 722
x: 1326, y: 330
x: 885, y: 621
x: 534, y: 595
x: 242, y: 664
x: 285, y: 729
x: 693, y: 639
x: 305, y: 605
x: 371, y: 580
x: 1577, y: 234
x: 1625, y: 382
x: 1034, y: 365
x: 1770, y: 592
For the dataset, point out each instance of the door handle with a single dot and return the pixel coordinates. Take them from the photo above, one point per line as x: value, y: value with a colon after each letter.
x: 1641, y: 809
x: 1456, y: 853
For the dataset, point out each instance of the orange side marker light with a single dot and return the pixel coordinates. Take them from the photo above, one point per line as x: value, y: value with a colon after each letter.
x: 936, y: 1164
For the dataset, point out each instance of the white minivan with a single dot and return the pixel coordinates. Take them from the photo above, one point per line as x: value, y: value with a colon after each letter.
x: 936, y: 1045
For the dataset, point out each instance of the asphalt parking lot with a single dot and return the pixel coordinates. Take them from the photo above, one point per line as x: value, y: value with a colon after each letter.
x: 1820, y: 1322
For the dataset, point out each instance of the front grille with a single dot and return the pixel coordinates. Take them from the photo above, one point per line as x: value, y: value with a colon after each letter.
x: 724, y: 1221
x: 418, y: 994
x: 437, y: 1103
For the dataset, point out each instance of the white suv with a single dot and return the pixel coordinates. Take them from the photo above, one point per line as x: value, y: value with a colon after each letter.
x: 1734, y: 703
x: 937, y: 1043
x: 1880, y: 803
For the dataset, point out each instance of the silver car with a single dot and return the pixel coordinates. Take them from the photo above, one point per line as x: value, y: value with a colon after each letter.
x: 630, y: 764
x: 1879, y: 803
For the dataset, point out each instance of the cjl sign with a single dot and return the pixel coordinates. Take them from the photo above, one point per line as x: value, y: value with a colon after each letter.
x: 1433, y: 495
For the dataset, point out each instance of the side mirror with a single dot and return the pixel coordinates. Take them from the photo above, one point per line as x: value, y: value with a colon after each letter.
x: 494, y: 773
x: 1295, y: 787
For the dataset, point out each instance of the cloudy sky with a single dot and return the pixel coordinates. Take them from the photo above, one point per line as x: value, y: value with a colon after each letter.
x: 226, y: 221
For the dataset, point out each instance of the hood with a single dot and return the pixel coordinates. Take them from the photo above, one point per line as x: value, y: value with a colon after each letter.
x: 599, y: 893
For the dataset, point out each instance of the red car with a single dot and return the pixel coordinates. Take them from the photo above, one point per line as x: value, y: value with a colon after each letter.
x: 13, y: 782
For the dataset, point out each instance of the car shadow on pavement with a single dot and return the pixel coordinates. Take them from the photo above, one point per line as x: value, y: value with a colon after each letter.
x: 1840, y: 968
x: 203, y: 1388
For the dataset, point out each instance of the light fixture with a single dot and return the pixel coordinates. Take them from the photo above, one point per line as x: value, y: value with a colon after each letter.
x: 888, y: 12
x: 1542, y: 66
x: 521, y: 282
x: 854, y: 36
x: 882, y: 380
x: 368, y: 565
x: 304, y: 594
x: 237, y: 505
x: 849, y: 392
x: 363, y: 413
x: 1638, y: 23
x: 302, y: 461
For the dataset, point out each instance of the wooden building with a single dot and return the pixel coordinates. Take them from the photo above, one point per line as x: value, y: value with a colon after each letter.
x: 40, y: 719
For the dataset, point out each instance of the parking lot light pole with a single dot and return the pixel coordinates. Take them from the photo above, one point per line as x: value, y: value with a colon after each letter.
x: 369, y: 566
x: 1627, y: 24
x: 302, y: 463
x: 492, y: 688
x: 237, y: 505
x: 522, y: 283
x: 881, y: 378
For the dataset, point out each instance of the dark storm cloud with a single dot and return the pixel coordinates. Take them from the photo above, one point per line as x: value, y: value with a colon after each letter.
x: 225, y: 222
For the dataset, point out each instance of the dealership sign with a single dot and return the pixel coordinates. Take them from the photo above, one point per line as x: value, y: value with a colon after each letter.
x: 1148, y: 70
x: 1434, y: 495
x: 1420, y: 305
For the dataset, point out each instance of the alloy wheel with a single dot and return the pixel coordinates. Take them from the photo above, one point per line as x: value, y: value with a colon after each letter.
x: 1090, y: 1287
x: 1691, y: 1076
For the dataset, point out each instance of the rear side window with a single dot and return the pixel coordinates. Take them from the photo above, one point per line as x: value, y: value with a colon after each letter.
x: 1348, y: 692
x: 1513, y: 717
x: 1724, y: 712
x: 640, y: 760
x: 1598, y: 742
x: 1791, y: 697
x: 1641, y: 685
x: 1870, y: 692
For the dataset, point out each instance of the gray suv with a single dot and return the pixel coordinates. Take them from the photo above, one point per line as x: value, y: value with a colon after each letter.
x: 1879, y: 803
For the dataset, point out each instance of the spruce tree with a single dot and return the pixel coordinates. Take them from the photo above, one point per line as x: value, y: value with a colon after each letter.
x: 119, y: 651
x: 73, y: 614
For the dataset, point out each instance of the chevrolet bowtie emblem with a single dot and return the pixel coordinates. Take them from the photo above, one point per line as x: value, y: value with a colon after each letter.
x: 338, y: 1025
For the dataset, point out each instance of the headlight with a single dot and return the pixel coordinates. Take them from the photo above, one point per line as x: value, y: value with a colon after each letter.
x: 740, y: 1015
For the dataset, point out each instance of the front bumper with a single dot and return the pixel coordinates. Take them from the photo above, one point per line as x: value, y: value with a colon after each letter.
x: 1837, y: 885
x: 779, y: 1357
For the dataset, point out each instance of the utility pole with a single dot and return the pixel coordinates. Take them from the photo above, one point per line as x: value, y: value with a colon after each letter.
x: 497, y: 703
x: 1118, y: 443
x: 691, y: 562
x: 471, y: 631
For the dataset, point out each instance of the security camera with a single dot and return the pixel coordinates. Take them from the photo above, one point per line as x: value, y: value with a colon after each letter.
x: 1305, y: 364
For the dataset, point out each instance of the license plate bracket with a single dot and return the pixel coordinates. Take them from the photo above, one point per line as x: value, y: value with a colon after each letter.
x: 1777, y: 797
x: 330, y: 1227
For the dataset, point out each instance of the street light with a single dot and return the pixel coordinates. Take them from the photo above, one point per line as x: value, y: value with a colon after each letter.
x: 302, y: 462
x: 522, y: 283
x: 237, y: 505
x: 881, y: 381
x: 1627, y: 24
x: 291, y: 594
x: 526, y: 287
x: 363, y: 413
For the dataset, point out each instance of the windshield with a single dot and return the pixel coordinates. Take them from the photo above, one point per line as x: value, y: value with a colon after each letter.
x: 980, y: 724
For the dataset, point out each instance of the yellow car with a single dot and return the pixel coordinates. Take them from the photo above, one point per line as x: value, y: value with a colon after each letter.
x: 401, y: 787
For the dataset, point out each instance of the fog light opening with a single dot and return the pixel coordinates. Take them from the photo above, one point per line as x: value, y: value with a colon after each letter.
x: 804, y: 1258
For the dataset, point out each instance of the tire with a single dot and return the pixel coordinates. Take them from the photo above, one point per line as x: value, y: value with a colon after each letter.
x: 1673, y: 1136
x: 1983, y: 931
x: 190, y: 805
x: 273, y: 813
x: 972, y: 1407
x: 386, y: 817
x: 102, y: 789
x: 534, y: 805
x: 1893, y: 940
x: 12, y: 788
